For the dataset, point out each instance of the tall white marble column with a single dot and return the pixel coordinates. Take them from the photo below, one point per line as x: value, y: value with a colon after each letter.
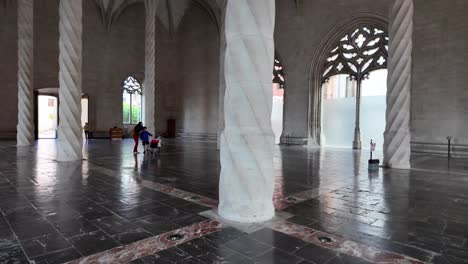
x: 246, y: 181
x: 70, y: 138
x: 25, y: 127
x: 397, y: 148
x: 150, y: 64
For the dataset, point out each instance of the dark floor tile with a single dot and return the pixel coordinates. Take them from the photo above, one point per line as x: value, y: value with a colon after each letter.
x: 63, y: 214
x: 190, y: 220
x: 225, y: 235
x: 176, y: 202
x: 276, y: 256
x: 194, y: 208
x: 300, y: 220
x: 90, y: 210
x: 12, y: 254
x: 344, y: 259
x: 306, y: 262
x: 33, y: 228
x: 155, y: 195
x: 6, y: 233
x: 75, y: 227
x: 168, y: 213
x: 209, y: 252
x: 113, y: 225
x: 155, y: 225
x: 392, y: 246
x: 93, y: 242
x: 316, y: 253
x: 58, y: 257
x: 136, y: 212
x: 98, y: 213
x: 23, y: 214
x: 44, y: 244
x: 278, y: 240
x: 131, y: 236
x: 169, y: 256
x: 248, y: 247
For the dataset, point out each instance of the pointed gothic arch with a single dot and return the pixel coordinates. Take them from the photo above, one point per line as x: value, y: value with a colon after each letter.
x: 319, y: 65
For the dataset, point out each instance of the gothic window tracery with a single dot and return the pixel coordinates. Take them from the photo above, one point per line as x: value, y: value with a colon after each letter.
x: 131, y: 101
x: 359, y: 52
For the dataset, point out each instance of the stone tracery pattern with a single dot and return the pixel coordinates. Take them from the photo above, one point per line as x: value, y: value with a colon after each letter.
x: 358, y: 53
x: 25, y: 128
x: 150, y: 62
x: 246, y: 181
x: 397, y: 147
x: 70, y: 138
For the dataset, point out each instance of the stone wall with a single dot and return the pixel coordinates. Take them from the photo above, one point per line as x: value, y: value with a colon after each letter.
x: 440, y: 76
x: 8, y: 71
x: 109, y: 57
x: 188, y: 73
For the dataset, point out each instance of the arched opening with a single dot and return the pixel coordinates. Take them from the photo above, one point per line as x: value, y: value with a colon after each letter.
x: 353, y: 93
x: 131, y: 101
x: 278, y: 100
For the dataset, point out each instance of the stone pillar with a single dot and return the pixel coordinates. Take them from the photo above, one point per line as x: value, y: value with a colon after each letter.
x: 357, y: 128
x: 70, y: 137
x: 25, y: 127
x: 397, y: 148
x: 150, y: 64
x: 246, y: 181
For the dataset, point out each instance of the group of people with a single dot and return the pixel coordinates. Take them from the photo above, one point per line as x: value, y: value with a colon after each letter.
x: 140, y: 132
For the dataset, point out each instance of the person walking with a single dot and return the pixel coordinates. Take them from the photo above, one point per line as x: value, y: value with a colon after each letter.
x: 145, y: 138
x: 136, y: 135
x: 86, y: 130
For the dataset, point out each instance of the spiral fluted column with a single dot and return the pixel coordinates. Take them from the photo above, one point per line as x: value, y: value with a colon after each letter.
x: 25, y: 127
x: 70, y: 138
x: 246, y: 181
x: 397, y: 148
x: 150, y: 64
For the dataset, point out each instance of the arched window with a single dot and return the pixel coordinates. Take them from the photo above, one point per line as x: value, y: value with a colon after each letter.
x: 131, y: 101
x: 358, y: 53
x: 354, y: 88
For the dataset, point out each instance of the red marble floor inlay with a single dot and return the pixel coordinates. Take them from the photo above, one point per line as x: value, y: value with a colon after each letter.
x: 152, y: 245
x: 342, y: 245
x: 188, y: 196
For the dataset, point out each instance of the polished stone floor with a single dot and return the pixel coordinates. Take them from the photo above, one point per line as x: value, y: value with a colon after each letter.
x: 115, y: 207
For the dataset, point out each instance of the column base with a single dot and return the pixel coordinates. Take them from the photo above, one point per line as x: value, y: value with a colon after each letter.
x: 246, y: 216
x: 357, y: 145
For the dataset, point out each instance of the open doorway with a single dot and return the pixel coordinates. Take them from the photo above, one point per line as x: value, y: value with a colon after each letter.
x: 84, y: 110
x: 278, y: 100
x: 47, y: 116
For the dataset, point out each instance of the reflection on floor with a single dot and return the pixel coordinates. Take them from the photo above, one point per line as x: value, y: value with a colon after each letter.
x: 115, y: 207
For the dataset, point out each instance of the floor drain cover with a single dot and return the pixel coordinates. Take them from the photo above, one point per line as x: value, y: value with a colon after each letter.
x: 290, y: 199
x: 325, y: 240
x: 175, y: 237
